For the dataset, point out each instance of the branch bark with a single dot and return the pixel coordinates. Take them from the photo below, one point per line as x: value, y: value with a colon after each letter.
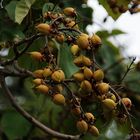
x: 30, y: 118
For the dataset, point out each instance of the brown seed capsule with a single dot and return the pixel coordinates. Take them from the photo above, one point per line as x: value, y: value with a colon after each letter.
x: 86, y: 86
x: 58, y: 76
x: 37, y: 81
x: 127, y: 102
x: 44, y: 28
x: 103, y: 88
x: 109, y: 104
x: 76, y: 111
x: 93, y: 130
x: 59, y: 99
x: 89, y: 117
x: 96, y: 40
x: 47, y: 72
x: 75, y: 49
x: 87, y: 73
x: 38, y: 73
x: 60, y: 38
x: 83, y: 41
x: 42, y: 88
x: 82, y: 126
x: 78, y: 76
x: 69, y: 11
x: 98, y: 75
x: 36, y: 55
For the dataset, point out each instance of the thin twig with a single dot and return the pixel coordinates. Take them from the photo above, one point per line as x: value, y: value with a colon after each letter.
x: 69, y: 29
x: 31, y: 119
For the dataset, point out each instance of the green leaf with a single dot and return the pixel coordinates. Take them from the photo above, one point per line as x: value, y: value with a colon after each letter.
x: 22, y: 9
x: 117, y: 32
x: 14, y: 125
x: 47, y: 7
x: 11, y: 9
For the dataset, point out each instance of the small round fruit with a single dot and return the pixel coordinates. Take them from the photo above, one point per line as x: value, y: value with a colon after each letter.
x: 58, y: 88
x: 59, y: 99
x: 42, y: 88
x: 86, y: 86
x: 109, y: 104
x: 36, y: 55
x: 103, y: 88
x: 127, y: 102
x: 47, y: 72
x: 58, y: 76
x: 69, y: 11
x: 86, y: 61
x: 82, y: 126
x: 87, y: 73
x: 112, y: 96
x: 72, y: 24
x: 60, y: 38
x: 98, y: 75
x: 78, y: 76
x: 75, y: 49
x: 89, y: 117
x: 38, y: 73
x: 76, y: 111
x: 83, y: 41
x: 44, y: 28
x: 96, y: 40
x: 93, y: 130
x: 37, y: 81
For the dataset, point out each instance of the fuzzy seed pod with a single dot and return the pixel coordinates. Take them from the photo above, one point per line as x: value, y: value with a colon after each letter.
x: 89, y: 117
x: 78, y: 76
x: 98, y: 75
x: 103, y: 88
x: 42, y: 88
x: 127, y: 102
x: 75, y: 49
x: 60, y: 38
x: 37, y: 81
x: 69, y: 11
x: 44, y: 28
x: 36, y: 55
x: 93, y: 130
x: 86, y: 86
x: 59, y: 99
x: 76, y: 111
x: 109, y: 104
x: 83, y: 41
x: 96, y: 40
x: 58, y: 76
x: 38, y: 73
x: 82, y: 126
x: 47, y: 72
x: 87, y: 73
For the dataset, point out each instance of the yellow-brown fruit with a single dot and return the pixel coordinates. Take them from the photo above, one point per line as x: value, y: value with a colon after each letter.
x: 93, y: 130
x: 42, y: 88
x: 44, y: 28
x: 37, y: 81
x: 86, y: 61
x: 78, y: 76
x: 38, y: 73
x: 59, y: 99
x: 83, y: 41
x: 58, y: 88
x: 58, y: 76
x: 60, y: 38
x: 112, y: 96
x: 87, y: 73
x: 96, y: 40
x: 75, y: 49
x: 76, y: 111
x: 82, y: 126
x: 72, y: 24
x: 36, y: 55
x: 103, y: 88
x: 89, y: 117
x: 109, y: 104
x: 69, y: 11
x: 127, y: 102
x: 86, y: 86
x: 47, y: 72
x: 98, y: 75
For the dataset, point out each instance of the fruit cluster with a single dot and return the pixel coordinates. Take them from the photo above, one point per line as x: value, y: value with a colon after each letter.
x: 89, y: 79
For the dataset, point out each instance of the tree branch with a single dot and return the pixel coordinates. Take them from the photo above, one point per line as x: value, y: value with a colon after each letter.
x: 31, y: 119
